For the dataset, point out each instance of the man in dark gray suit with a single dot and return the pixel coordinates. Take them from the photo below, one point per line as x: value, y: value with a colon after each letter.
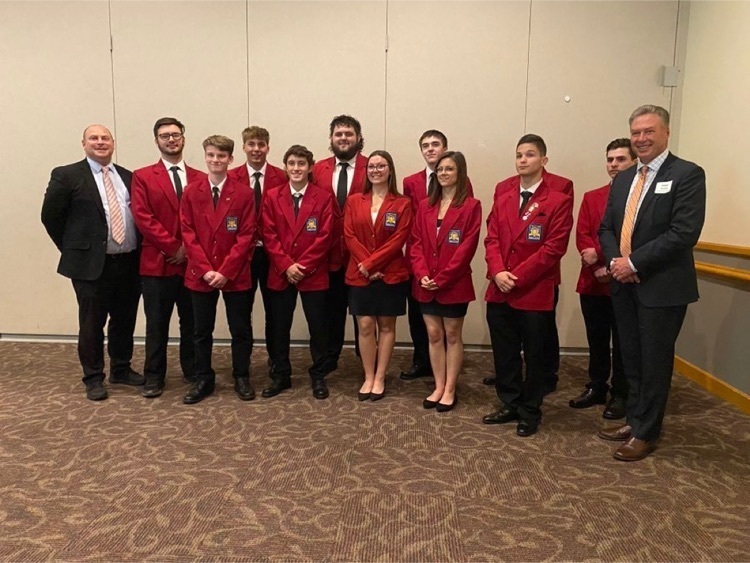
x: 86, y: 212
x: 653, y: 219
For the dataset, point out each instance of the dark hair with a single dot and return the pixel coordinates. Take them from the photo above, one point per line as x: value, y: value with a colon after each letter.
x: 622, y: 143
x: 161, y: 122
x: 392, y: 183
x: 434, y: 133
x: 348, y: 121
x: 255, y: 132
x: 535, y: 140
x: 220, y: 142
x: 302, y: 152
x: 462, y: 191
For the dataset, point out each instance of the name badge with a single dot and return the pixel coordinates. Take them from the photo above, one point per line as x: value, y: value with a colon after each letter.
x: 231, y: 223
x: 534, y: 232
x: 391, y: 218
x: 663, y: 187
x: 311, y: 225
x: 454, y: 236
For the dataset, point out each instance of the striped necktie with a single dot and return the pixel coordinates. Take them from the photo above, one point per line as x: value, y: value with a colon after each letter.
x: 116, y: 222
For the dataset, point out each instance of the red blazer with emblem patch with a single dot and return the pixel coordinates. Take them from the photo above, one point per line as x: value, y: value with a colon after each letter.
x: 156, y: 212
x: 305, y: 240
x: 221, y: 239
x: 323, y: 177
x: 587, y: 236
x: 529, y: 248
x: 378, y: 246
x: 445, y: 256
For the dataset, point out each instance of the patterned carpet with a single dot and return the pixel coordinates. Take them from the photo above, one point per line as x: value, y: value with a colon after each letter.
x: 296, y: 479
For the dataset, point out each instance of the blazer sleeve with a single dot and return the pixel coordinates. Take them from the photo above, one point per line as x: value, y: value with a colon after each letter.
x: 416, y: 246
x: 280, y: 260
x: 151, y: 229
x: 492, y: 249
x: 688, y: 214
x: 395, y: 243
x: 553, y: 248
x: 586, y: 232
x: 317, y: 253
x: 607, y: 235
x: 56, y: 207
x: 460, y: 262
x: 197, y: 258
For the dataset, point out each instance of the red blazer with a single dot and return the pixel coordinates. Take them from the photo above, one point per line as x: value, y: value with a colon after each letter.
x: 589, y: 218
x: 378, y: 247
x: 305, y: 239
x: 415, y: 188
x: 274, y: 177
x: 530, y: 249
x: 445, y: 256
x: 323, y: 177
x: 554, y: 182
x: 156, y: 212
x: 221, y: 239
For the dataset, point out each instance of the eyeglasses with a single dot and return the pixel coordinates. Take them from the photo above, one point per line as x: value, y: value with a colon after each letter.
x: 378, y: 167
x: 167, y: 136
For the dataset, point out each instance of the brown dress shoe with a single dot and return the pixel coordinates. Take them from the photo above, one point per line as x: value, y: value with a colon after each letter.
x: 634, y: 449
x: 615, y: 433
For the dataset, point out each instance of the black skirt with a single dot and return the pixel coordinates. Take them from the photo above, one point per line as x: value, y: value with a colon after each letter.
x: 378, y: 299
x: 450, y: 311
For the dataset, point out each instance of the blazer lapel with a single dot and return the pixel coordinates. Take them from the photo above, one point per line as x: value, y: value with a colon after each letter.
x: 450, y: 218
x: 165, y: 184
x: 91, y: 186
x: 287, y: 208
x: 532, y: 210
x: 431, y: 218
x: 651, y: 193
x: 225, y: 201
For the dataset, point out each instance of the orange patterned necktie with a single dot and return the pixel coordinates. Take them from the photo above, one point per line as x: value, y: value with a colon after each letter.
x: 115, y: 213
x: 630, y: 210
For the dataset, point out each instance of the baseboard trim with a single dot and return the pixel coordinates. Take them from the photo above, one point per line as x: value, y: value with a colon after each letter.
x: 712, y: 384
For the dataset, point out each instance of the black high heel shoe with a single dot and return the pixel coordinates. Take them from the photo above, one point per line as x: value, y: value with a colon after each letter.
x: 362, y: 396
x: 442, y: 407
x: 377, y: 396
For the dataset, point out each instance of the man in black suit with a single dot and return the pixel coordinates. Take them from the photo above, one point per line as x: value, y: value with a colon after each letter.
x: 86, y: 212
x: 653, y: 219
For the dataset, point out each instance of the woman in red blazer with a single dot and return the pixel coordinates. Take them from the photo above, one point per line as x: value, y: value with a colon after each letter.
x: 444, y: 240
x: 376, y: 225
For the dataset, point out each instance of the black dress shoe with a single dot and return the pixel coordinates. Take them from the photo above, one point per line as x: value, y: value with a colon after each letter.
x: 614, y: 410
x: 501, y: 417
x: 363, y: 396
x: 199, y: 391
x: 442, y: 407
x: 527, y: 428
x: 95, y: 390
x: 129, y: 377
x: 244, y: 389
x: 152, y: 389
x: 429, y: 404
x: 275, y: 388
x: 377, y: 396
x: 489, y: 381
x: 320, y: 389
x: 587, y: 399
x: 415, y: 372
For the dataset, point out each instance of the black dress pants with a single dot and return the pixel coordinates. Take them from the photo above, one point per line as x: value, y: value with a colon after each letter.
x: 238, y: 311
x: 113, y: 295
x: 282, y: 306
x: 337, y: 303
x: 512, y: 330
x: 160, y: 295
x: 599, y: 318
x: 259, y: 268
x: 647, y: 338
x: 418, y: 332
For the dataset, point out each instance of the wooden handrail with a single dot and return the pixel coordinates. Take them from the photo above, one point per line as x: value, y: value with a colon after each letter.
x: 732, y: 274
x: 726, y: 249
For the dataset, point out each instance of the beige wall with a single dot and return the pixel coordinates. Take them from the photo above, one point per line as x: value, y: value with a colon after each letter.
x: 714, y: 121
x: 483, y: 72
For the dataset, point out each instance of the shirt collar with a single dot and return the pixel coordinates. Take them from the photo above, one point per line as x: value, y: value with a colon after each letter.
x: 655, y: 164
x: 351, y: 162
x: 96, y: 168
x: 533, y: 188
x: 251, y: 170
x: 302, y: 191
x: 168, y: 165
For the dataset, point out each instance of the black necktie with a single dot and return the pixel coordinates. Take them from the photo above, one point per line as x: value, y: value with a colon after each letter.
x: 256, y: 189
x: 215, y: 190
x: 343, y: 186
x: 525, y: 196
x: 432, y: 184
x: 297, y: 200
x: 177, y: 181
